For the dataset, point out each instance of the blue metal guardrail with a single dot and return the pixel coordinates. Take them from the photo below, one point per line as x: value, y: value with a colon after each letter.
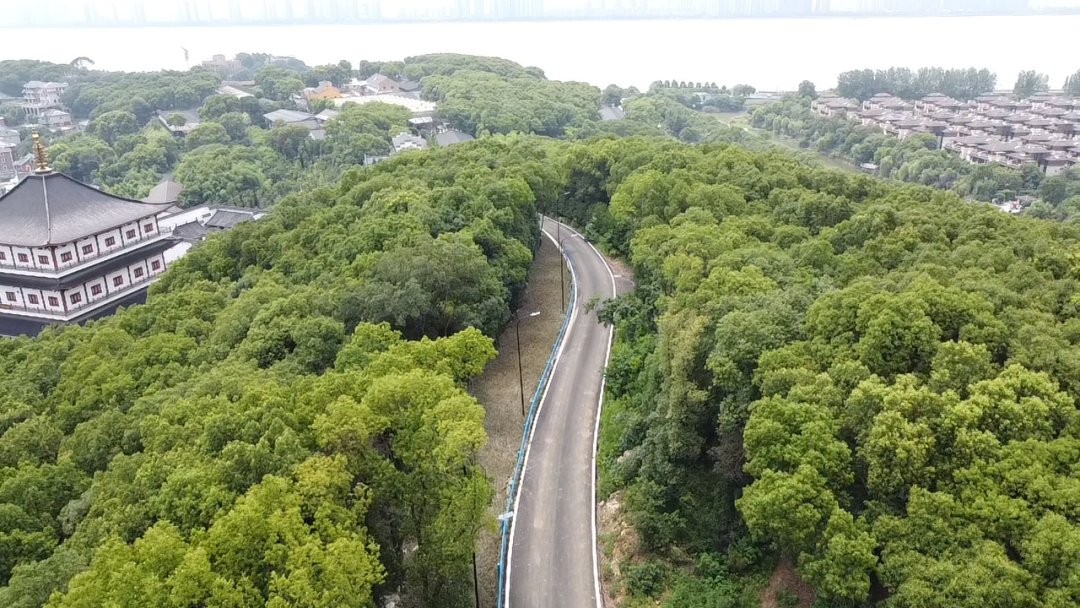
x: 529, y: 421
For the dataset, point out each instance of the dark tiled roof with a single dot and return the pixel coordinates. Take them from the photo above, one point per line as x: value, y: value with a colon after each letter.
x: 224, y: 218
x: 52, y: 208
x: 167, y: 191
x: 193, y: 231
x: 611, y: 113
x: 449, y: 138
x: 288, y: 116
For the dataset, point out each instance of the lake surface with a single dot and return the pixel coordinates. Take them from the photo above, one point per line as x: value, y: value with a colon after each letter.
x: 771, y: 54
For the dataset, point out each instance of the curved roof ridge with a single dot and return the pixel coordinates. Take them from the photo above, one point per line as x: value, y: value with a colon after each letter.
x: 64, y: 210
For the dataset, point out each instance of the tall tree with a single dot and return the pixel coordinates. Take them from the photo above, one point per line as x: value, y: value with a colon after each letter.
x: 1029, y: 82
x: 1072, y: 84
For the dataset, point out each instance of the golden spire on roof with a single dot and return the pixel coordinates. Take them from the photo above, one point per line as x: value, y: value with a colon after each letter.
x: 41, y: 157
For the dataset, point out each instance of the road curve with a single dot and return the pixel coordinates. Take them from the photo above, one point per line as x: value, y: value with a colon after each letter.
x: 552, y: 556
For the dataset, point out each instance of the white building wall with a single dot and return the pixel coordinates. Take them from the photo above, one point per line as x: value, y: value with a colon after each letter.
x: 34, y: 299
x: 139, y: 272
x: 23, y: 257
x: 129, y: 233
x: 112, y: 236
x: 71, y: 251
x: 174, y: 253
x: 149, y: 226
x: 103, y: 291
x: 43, y: 258
x: 53, y: 301
x: 82, y: 244
x: 83, y: 300
x: 10, y: 297
x: 111, y: 280
x: 195, y: 214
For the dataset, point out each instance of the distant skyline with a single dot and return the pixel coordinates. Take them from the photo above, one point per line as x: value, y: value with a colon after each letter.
x: 66, y: 13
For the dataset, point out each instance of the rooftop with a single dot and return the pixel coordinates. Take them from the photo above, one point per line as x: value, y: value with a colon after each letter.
x: 52, y: 208
x: 611, y: 113
x: 167, y: 191
x: 449, y: 138
x: 37, y: 84
x: 416, y: 106
x: 227, y: 218
x: 288, y: 116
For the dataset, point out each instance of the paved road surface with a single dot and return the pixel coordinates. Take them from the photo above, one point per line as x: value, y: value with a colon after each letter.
x: 552, y: 561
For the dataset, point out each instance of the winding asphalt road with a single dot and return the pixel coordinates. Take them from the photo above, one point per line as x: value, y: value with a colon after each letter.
x: 552, y: 559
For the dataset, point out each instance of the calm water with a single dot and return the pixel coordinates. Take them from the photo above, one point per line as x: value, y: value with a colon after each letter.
x: 771, y: 54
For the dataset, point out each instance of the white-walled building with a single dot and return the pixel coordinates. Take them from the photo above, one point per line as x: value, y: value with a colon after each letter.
x: 40, y: 96
x: 70, y: 252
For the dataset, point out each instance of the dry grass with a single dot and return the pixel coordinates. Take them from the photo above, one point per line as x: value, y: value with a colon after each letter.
x: 785, y: 580
x: 619, y: 546
x: 497, y: 389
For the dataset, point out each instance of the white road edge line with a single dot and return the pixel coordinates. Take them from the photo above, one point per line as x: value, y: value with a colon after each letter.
x: 596, y: 437
x: 539, y: 409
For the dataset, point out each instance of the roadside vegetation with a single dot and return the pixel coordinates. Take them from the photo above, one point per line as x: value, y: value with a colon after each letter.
x: 869, y: 379
x: 872, y: 382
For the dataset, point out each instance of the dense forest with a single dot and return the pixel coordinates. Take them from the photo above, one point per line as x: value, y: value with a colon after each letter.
x: 875, y: 381
x: 872, y: 380
x: 284, y: 423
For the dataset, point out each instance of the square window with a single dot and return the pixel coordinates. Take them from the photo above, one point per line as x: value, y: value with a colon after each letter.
x: 33, y: 299
x: 65, y: 257
x: 117, y: 281
x: 156, y: 265
x: 24, y: 258
x: 3, y: 256
x: 138, y: 272
x: 53, y: 301
x: 130, y: 234
x: 95, y: 290
x: 148, y: 228
x: 43, y: 259
x: 110, y: 241
x: 11, y: 296
x: 87, y: 249
x: 76, y: 298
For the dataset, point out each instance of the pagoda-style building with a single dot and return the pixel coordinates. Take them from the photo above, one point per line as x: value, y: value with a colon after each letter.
x: 71, y: 252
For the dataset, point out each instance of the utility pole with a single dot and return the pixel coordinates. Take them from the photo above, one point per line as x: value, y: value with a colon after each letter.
x: 562, y: 261
x: 562, y: 267
x: 517, y: 343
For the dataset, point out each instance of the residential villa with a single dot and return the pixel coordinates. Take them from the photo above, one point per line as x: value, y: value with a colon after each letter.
x: 222, y: 65
x: 296, y: 118
x: 325, y: 90
x: 56, y: 120
x: 40, y: 96
x: 377, y: 84
x: 408, y: 141
x: 1044, y: 130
